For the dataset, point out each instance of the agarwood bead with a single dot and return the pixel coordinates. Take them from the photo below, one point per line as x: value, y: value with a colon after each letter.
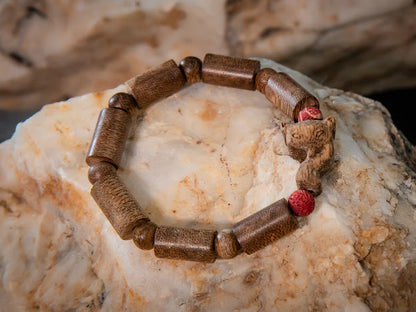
x: 99, y: 170
x: 262, y: 77
x: 226, y: 244
x: 156, y: 84
x: 265, y: 226
x: 124, y: 101
x: 144, y: 234
x: 287, y: 95
x: 118, y: 205
x: 109, y: 137
x: 191, y: 67
x: 229, y: 71
x: 185, y: 244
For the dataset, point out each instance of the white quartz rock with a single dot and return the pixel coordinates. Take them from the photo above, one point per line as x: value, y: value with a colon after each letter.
x: 207, y: 157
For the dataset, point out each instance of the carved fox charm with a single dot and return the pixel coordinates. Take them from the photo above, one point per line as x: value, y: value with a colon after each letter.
x: 311, y: 143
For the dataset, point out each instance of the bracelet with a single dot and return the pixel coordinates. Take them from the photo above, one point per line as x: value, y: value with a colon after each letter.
x: 309, y: 139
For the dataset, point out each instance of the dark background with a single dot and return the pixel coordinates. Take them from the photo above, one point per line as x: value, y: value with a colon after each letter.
x: 400, y: 105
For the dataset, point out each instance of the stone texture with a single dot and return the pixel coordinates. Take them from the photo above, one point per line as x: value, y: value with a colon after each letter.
x: 355, y: 252
x: 364, y: 46
x: 53, y: 50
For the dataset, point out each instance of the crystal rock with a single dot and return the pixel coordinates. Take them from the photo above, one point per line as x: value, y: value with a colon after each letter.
x: 207, y: 157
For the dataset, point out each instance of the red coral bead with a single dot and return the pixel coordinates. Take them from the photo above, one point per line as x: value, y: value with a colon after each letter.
x: 310, y: 113
x: 301, y: 202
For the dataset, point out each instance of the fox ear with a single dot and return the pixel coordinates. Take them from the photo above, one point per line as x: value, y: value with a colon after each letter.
x: 331, y: 123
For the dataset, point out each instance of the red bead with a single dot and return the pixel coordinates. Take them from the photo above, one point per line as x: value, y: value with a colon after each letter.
x: 301, y: 202
x: 310, y: 113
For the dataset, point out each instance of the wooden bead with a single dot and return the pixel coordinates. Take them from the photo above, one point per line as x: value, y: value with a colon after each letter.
x: 100, y: 170
x: 109, y: 137
x: 265, y: 226
x: 124, y: 101
x: 226, y: 244
x: 287, y: 95
x: 118, y: 205
x: 144, y: 234
x: 262, y: 77
x: 191, y: 67
x: 229, y: 71
x: 156, y: 84
x: 185, y: 244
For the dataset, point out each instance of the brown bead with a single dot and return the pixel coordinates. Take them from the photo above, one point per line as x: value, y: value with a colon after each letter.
x: 124, y: 101
x: 156, y: 84
x: 229, y: 71
x: 262, y: 77
x: 287, y: 95
x: 265, y: 226
x: 118, y: 205
x: 191, y: 67
x: 100, y: 170
x: 109, y: 137
x: 144, y: 234
x: 226, y: 244
x: 185, y: 244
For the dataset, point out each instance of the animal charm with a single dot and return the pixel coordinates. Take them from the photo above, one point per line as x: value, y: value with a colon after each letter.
x: 311, y: 143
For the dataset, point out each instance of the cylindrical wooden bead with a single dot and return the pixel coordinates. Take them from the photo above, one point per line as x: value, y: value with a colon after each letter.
x: 156, y: 84
x: 265, y: 226
x: 185, y: 244
x: 124, y: 101
x: 109, y: 137
x: 118, y: 205
x: 262, y: 77
x: 226, y: 244
x: 144, y: 234
x: 100, y: 170
x: 229, y: 71
x: 287, y: 95
x: 191, y: 67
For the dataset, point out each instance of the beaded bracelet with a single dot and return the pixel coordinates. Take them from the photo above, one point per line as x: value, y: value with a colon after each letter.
x: 309, y: 139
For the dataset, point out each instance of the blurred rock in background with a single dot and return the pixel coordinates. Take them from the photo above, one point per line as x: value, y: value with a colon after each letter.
x: 362, y: 46
x: 54, y: 50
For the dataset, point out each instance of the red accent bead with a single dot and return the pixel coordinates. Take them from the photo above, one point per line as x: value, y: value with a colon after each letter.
x: 310, y: 113
x: 301, y: 202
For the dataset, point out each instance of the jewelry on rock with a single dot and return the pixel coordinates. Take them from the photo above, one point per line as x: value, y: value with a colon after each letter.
x: 309, y: 139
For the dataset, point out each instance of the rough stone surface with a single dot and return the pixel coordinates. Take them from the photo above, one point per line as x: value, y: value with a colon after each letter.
x: 53, y: 50
x: 355, y: 252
